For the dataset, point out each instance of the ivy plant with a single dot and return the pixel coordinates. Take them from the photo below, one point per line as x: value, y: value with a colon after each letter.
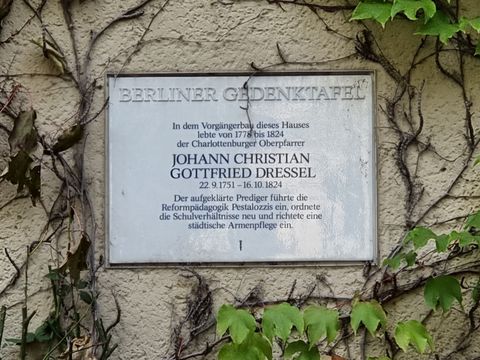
x: 433, y: 18
x: 298, y: 334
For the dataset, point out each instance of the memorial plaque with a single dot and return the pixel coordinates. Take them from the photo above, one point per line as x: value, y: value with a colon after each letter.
x: 233, y: 168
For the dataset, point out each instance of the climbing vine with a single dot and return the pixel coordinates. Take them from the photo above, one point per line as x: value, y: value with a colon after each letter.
x: 423, y: 255
x: 318, y: 324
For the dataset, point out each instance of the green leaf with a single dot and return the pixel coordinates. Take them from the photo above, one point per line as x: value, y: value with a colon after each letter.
x: 239, y: 323
x: 30, y: 338
x: 442, y: 291
x: 86, y: 297
x: 278, y: 320
x: 82, y: 284
x: 475, y: 23
x: 419, y: 236
x: 442, y: 242
x: 54, y: 275
x: 371, y: 314
x: 464, y: 23
x: 255, y: 347
x: 300, y: 350
x: 413, y: 333
x: 373, y: 9
x: 464, y: 238
x: 379, y: 358
x: 473, y: 220
x: 321, y: 323
x: 233, y: 351
x: 477, y: 51
x: 410, y: 258
x: 439, y: 25
x: 260, y: 342
x: 467, y: 239
x: 395, y: 261
x: 411, y: 7
x: 44, y: 333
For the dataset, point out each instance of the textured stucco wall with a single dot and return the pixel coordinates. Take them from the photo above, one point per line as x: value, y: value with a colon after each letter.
x: 191, y: 35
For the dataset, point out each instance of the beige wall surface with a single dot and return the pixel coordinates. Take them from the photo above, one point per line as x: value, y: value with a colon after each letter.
x: 209, y: 35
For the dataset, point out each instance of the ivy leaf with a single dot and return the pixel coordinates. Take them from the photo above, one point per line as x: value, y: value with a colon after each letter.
x: 260, y: 342
x: 473, y: 220
x: 82, y: 284
x: 419, y: 236
x: 373, y: 9
x: 278, y: 320
x: 239, y: 352
x: 255, y: 347
x: 442, y: 291
x: 410, y: 258
x: 394, y: 262
x: 240, y: 323
x: 442, y: 242
x: 44, y: 333
x: 53, y: 275
x: 411, y: 7
x: 321, y: 322
x: 371, y: 314
x: 475, y: 23
x: 439, y: 25
x: 464, y: 23
x: 86, y: 297
x: 300, y: 350
x: 413, y: 333
x: 465, y: 238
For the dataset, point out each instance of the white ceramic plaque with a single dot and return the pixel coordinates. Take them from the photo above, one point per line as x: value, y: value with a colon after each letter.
x: 229, y: 168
